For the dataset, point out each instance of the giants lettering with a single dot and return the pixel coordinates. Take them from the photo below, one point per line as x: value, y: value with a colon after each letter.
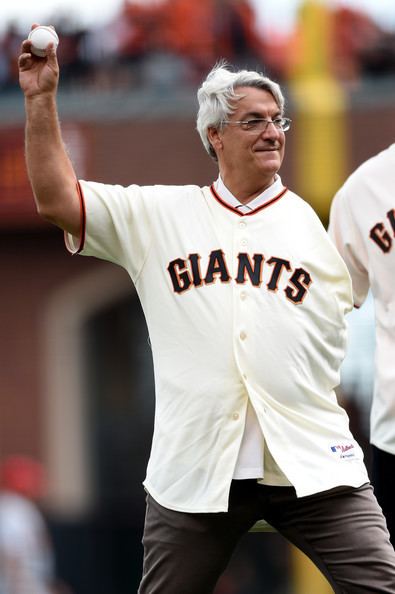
x: 187, y: 273
x: 380, y: 235
x: 254, y: 271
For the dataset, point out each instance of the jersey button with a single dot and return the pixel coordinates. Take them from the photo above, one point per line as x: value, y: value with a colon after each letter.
x: 244, y: 242
x: 243, y: 295
x: 242, y: 225
x: 235, y: 416
x: 243, y: 335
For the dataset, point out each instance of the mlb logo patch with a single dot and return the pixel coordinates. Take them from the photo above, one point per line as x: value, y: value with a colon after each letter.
x: 344, y: 450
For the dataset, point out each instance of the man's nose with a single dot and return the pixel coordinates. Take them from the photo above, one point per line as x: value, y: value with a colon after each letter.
x: 271, y: 130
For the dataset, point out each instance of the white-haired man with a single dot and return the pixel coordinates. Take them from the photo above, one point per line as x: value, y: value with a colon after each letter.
x: 244, y: 296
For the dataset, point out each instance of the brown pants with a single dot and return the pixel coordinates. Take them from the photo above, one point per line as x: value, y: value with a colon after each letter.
x: 342, y: 531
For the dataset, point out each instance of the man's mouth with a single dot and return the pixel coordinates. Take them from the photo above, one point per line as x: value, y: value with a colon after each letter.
x: 266, y: 149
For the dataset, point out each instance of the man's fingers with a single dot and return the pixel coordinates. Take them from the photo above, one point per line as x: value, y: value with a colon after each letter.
x: 51, y: 54
x: 26, y: 46
x: 25, y: 61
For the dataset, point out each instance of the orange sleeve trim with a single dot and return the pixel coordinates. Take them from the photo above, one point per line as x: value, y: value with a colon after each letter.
x: 81, y: 242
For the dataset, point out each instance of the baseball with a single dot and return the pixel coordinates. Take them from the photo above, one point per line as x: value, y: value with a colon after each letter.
x: 40, y: 37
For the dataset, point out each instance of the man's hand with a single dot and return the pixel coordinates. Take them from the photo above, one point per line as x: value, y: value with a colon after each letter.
x: 38, y: 76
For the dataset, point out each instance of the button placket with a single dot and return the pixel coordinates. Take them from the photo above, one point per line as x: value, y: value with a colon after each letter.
x: 240, y: 244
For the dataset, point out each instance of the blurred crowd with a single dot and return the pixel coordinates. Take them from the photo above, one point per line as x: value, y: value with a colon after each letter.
x: 164, y: 42
x: 27, y: 556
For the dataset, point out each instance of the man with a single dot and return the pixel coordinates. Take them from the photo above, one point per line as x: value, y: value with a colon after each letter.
x: 244, y: 296
x: 362, y: 225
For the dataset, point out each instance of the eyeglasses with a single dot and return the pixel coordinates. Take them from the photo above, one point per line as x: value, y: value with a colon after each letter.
x: 260, y: 124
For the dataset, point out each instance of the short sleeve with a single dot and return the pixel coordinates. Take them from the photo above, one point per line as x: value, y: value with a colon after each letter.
x: 115, y: 224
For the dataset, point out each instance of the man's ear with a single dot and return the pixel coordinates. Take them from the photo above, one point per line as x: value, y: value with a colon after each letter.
x: 215, y: 138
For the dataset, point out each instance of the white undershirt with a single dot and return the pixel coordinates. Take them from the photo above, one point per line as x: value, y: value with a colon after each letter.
x: 254, y: 459
x: 250, y: 459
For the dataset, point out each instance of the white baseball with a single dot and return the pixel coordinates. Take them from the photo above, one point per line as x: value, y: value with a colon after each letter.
x: 40, y: 37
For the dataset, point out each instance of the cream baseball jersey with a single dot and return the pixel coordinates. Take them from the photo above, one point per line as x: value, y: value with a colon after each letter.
x: 240, y: 309
x: 362, y: 225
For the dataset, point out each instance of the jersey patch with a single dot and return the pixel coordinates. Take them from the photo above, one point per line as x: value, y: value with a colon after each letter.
x: 344, y: 451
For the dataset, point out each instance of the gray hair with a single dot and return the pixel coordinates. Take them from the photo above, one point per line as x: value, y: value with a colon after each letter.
x: 217, y: 96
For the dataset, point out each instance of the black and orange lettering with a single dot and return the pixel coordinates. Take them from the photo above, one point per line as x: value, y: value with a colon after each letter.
x: 195, y: 269
x: 179, y: 275
x: 381, y: 237
x: 216, y: 268
x: 279, y: 265
x: 300, y: 282
x: 186, y: 273
x: 253, y: 270
x: 391, y: 218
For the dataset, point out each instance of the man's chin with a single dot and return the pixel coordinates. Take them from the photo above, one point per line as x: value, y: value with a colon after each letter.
x: 270, y: 168
x: 269, y: 159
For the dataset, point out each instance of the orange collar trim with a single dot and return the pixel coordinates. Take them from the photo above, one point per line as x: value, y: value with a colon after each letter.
x: 248, y: 214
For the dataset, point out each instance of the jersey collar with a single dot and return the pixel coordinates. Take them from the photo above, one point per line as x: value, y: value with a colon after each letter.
x: 267, y: 197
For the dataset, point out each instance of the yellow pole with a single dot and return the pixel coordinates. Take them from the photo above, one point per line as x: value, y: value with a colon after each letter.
x: 306, y: 578
x: 320, y: 104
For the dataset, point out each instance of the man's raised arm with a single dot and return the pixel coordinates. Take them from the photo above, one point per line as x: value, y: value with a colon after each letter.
x: 50, y: 171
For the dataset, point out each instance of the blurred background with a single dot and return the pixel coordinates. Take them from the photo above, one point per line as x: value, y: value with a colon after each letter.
x: 76, y: 381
